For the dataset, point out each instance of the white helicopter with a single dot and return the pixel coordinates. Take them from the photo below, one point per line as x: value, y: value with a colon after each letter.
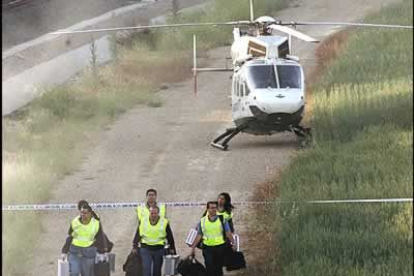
x: 268, y: 83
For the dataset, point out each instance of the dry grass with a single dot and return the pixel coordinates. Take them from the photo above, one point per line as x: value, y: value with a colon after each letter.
x: 327, y: 52
x: 261, y: 251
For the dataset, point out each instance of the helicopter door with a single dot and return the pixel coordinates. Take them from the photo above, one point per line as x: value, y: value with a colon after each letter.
x: 240, y: 92
x: 236, y: 97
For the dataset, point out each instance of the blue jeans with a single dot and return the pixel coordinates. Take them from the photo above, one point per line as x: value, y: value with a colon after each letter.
x: 81, y: 260
x: 151, y: 261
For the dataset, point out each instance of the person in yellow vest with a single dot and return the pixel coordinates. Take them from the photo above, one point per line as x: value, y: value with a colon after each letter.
x: 213, y: 231
x: 151, y: 235
x: 84, y: 232
x: 143, y: 209
x: 225, y: 209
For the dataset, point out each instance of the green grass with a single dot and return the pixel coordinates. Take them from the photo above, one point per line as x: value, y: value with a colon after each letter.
x: 362, y: 147
x: 208, y: 37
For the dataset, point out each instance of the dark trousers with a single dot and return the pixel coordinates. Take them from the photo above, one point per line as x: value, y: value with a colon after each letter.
x: 213, y: 259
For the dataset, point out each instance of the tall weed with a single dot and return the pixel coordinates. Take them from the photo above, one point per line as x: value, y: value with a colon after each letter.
x: 362, y: 148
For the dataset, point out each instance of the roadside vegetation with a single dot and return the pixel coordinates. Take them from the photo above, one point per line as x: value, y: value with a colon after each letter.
x: 47, y: 139
x: 362, y: 120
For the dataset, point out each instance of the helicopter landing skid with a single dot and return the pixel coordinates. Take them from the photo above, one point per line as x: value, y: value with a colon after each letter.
x: 302, y: 131
x: 229, y: 134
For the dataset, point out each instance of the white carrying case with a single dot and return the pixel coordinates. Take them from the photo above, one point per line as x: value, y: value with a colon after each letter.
x: 236, y: 239
x: 63, y: 267
x: 171, y: 264
x: 191, y: 237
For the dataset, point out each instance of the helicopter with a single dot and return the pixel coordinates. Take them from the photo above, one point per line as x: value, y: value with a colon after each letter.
x: 268, y: 82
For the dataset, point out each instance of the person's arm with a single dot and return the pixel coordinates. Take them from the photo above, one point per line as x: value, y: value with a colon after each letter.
x: 136, y: 240
x: 170, y: 239
x: 229, y: 234
x: 196, y: 241
x: 65, y: 248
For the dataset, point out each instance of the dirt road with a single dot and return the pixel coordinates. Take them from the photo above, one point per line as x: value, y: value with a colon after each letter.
x: 168, y: 149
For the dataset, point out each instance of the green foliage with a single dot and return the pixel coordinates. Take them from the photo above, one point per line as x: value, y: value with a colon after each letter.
x: 209, y: 37
x: 362, y: 148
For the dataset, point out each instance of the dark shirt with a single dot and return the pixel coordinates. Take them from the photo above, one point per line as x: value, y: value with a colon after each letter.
x: 230, y: 222
x: 100, y: 241
x: 170, y: 239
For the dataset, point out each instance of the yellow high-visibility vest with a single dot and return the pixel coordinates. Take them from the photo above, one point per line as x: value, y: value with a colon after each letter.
x: 226, y: 216
x: 153, y: 234
x: 143, y: 211
x: 84, y: 234
x: 212, y: 232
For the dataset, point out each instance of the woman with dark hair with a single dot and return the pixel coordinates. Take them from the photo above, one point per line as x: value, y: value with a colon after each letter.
x: 225, y: 209
x: 84, y: 203
x: 85, y: 238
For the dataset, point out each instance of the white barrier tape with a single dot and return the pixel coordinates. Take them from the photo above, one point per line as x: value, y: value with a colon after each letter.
x: 192, y: 204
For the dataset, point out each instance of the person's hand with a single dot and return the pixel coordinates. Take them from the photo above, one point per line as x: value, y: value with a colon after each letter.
x: 234, y: 247
x: 134, y: 251
x: 193, y: 251
x: 64, y: 256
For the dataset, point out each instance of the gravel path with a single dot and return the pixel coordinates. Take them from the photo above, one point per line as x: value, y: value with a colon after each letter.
x: 168, y: 149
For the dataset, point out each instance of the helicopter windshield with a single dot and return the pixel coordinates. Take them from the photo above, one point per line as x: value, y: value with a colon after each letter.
x: 264, y: 76
x: 289, y: 76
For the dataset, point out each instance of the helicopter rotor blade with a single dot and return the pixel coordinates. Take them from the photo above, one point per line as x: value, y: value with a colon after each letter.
x: 234, y: 23
x: 294, y: 33
x: 293, y: 23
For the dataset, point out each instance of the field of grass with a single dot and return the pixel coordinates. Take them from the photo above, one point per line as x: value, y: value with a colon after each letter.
x: 47, y: 140
x: 362, y: 120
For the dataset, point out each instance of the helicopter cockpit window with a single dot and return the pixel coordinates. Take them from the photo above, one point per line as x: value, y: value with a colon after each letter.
x: 240, y: 89
x: 289, y: 76
x: 246, y: 90
x: 262, y: 76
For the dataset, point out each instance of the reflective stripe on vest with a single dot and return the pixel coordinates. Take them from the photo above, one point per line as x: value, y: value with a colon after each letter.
x: 212, y: 232
x: 153, y: 234
x: 143, y: 211
x: 84, y: 234
x: 226, y: 216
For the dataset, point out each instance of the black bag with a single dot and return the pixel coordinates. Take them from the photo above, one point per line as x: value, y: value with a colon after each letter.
x: 109, y: 243
x: 133, y: 265
x: 234, y: 260
x: 191, y: 267
x: 100, y: 244
x: 102, y: 269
